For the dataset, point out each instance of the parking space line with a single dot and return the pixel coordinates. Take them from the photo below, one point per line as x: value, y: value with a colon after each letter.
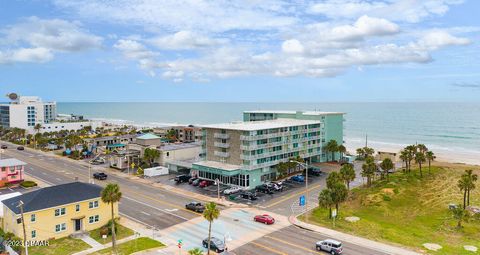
x: 293, y: 195
x: 268, y: 248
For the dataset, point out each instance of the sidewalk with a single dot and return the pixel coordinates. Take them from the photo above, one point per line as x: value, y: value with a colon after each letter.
x: 386, y: 248
x: 96, y: 246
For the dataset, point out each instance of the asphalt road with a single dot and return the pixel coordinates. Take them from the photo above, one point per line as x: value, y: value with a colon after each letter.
x: 148, y: 205
x: 295, y: 241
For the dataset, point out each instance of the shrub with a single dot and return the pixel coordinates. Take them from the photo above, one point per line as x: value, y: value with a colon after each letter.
x: 386, y: 197
x: 109, y: 226
x: 28, y: 184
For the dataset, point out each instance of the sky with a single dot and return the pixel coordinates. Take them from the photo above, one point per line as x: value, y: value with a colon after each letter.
x: 241, y: 51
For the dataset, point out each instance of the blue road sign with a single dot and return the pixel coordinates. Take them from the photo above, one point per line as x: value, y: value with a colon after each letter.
x: 302, y: 200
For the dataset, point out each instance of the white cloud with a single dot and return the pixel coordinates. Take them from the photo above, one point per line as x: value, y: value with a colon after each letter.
x: 292, y: 46
x: 36, y: 40
x: 402, y: 10
x: 185, y: 40
x: 134, y: 50
x: 436, y: 39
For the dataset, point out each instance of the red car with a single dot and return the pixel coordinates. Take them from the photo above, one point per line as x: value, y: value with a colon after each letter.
x: 267, y: 219
x: 205, y: 183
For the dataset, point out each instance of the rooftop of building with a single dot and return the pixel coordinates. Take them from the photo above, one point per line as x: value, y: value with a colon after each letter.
x: 177, y: 146
x: 260, y: 125
x: 148, y: 136
x: 218, y: 165
x: 294, y: 112
x: 54, y: 196
x: 112, y: 137
x: 11, y: 162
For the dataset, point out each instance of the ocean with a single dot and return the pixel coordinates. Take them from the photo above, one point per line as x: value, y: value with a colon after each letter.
x: 451, y: 130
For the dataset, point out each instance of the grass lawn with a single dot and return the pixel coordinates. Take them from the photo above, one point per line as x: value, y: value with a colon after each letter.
x: 410, y: 211
x: 129, y: 247
x: 122, y: 232
x: 62, y: 246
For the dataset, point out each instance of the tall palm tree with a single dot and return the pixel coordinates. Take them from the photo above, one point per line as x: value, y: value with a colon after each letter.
x: 341, y: 148
x: 463, y: 184
x: 430, y: 157
x: 368, y: 169
x: 325, y: 201
x: 37, y: 128
x: 411, y: 150
x: 471, y: 179
x: 347, y: 174
x: 210, y: 213
x: 150, y: 155
x: 387, y: 165
x: 111, y: 194
x: 332, y: 146
x: 419, y: 159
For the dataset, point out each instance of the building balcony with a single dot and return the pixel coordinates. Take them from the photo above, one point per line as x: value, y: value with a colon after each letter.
x: 221, y: 136
x: 221, y: 154
x: 221, y: 145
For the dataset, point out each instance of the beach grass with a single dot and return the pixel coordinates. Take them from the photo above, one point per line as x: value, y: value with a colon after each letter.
x: 62, y: 246
x: 410, y: 211
x: 132, y: 246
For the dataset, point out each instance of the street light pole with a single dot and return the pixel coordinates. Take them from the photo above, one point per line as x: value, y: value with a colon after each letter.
x: 20, y: 204
x: 305, y: 165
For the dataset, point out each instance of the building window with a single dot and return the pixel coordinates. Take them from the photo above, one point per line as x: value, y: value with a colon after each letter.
x: 93, y: 204
x: 4, y: 169
x: 60, y: 227
x: 60, y: 211
x: 34, y: 233
x: 77, y: 208
x: 33, y: 218
x: 93, y: 219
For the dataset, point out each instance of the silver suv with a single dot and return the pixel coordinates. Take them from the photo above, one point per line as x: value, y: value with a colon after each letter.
x: 331, y: 246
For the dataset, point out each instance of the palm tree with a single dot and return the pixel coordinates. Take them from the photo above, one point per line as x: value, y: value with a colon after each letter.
x: 210, y: 213
x: 430, y: 157
x: 347, y: 174
x: 459, y: 214
x: 332, y: 146
x: 463, y: 185
x: 404, y: 158
x: 387, y: 165
x: 37, y: 128
x: 339, y: 194
x: 419, y: 159
x: 368, y: 151
x: 332, y: 179
x: 360, y: 153
x: 111, y: 194
x: 150, y: 155
x: 368, y: 169
x: 325, y: 201
x: 341, y: 148
x: 195, y: 251
x: 411, y: 150
x: 471, y: 179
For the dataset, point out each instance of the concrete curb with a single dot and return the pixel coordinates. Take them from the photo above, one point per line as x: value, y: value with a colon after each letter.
x: 374, y: 245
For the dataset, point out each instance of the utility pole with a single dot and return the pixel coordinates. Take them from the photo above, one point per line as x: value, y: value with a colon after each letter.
x: 20, y: 204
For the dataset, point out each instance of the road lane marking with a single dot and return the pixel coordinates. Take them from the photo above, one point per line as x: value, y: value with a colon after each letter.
x: 162, y: 210
x: 268, y: 248
x: 58, y: 179
x: 148, y: 214
x: 44, y: 173
x: 294, y: 245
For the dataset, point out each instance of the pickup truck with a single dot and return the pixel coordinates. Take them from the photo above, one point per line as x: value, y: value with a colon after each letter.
x: 195, y: 206
x: 100, y: 176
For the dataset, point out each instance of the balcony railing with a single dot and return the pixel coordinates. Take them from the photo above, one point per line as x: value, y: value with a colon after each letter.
x: 221, y: 145
x: 221, y: 154
x: 221, y: 135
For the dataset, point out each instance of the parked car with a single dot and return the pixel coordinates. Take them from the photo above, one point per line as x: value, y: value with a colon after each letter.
x: 265, y: 218
x: 20, y: 148
x: 232, y: 190
x: 97, y: 161
x: 205, y: 183
x: 4, y: 146
x: 275, y: 186
x: 313, y: 171
x: 298, y: 178
x: 264, y: 189
x: 249, y: 196
x: 216, y: 244
x: 196, y: 182
x: 195, y: 206
x: 190, y: 181
x: 182, y: 178
x: 331, y: 246
x: 100, y: 176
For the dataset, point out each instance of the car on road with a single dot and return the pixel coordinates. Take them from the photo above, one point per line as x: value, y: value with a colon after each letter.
x: 205, y: 183
x: 265, y: 218
x: 20, y: 148
x: 248, y: 195
x: 264, y: 188
x: 298, y: 178
x: 4, y: 146
x: 100, y: 176
x: 98, y: 161
x: 331, y: 246
x: 232, y: 190
x: 216, y: 244
x: 195, y: 206
x: 182, y: 178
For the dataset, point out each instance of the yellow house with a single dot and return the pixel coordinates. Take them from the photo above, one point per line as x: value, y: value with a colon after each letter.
x: 57, y: 211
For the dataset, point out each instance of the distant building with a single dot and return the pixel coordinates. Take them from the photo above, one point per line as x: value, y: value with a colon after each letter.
x: 110, y: 140
x: 393, y: 156
x: 12, y: 171
x: 247, y: 153
x: 26, y: 112
x: 57, y: 211
x: 178, y: 152
x: 184, y: 134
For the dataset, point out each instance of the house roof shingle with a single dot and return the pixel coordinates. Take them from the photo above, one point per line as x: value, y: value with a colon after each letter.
x: 54, y: 196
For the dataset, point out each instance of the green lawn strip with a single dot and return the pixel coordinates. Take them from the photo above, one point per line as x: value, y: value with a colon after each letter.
x: 122, y: 232
x: 62, y: 246
x: 408, y: 211
x: 129, y: 247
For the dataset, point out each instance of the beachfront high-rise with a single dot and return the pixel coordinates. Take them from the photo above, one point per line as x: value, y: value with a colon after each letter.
x: 247, y: 153
x: 27, y: 111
